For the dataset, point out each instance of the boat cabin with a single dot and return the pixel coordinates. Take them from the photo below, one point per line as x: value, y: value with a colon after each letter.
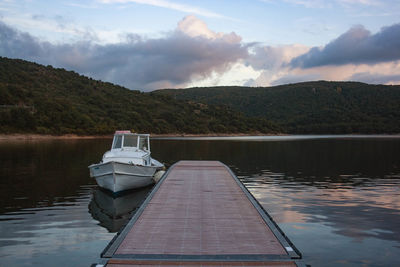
x: 126, y: 139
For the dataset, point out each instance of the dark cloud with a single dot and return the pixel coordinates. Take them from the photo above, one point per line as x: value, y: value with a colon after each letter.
x: 15, y: 44
x: 293, y: 78
x: 135, y: 63
x: 356, y: 46
x: 373, y: 78
x: 266, y: 57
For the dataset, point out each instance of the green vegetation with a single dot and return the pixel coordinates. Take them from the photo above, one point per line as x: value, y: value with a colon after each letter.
x: 45, y: 100
x: 310, y: 108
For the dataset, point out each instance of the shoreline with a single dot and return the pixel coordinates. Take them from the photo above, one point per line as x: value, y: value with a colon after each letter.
x: 15, y: 137
x: 23, y: 137
x: 39, y: 137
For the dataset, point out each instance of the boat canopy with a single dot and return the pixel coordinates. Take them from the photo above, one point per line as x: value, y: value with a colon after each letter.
x: 126, y: 139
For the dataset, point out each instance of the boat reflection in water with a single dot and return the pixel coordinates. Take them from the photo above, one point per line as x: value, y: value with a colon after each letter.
x: 114, y: 211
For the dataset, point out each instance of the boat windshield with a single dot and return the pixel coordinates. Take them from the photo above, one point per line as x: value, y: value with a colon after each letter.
x: 143, y: 143
x: 117, y: 141
x: 130, y: 141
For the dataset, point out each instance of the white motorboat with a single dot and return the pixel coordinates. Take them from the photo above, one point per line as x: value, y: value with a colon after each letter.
x: 128, y: 164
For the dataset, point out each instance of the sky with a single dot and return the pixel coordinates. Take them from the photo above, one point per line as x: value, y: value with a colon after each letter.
x: 155, y: 44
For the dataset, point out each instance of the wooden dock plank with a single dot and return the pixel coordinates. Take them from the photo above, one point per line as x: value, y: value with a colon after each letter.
x: 199, y: 211
x: 133, y: 263
x: 200, y: 216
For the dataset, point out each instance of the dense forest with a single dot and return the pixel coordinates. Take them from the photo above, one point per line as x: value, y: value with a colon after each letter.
x: 319, y: 107
x: 45, y: 100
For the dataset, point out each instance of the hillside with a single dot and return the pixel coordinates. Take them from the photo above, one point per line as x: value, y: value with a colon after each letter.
x: 312, y: 107
x: 45, y: 100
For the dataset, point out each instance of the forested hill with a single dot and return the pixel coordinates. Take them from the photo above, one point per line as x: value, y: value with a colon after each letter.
x: 310, y: 107
x: 39, y: 99
x: 45, y: 100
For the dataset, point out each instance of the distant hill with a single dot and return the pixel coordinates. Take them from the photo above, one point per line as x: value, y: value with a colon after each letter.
x: 39, y: 99
x: 311, y: 107
x: 45, y: 100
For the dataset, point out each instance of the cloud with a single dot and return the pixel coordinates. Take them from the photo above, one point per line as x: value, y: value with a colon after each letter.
x: 274, y: 57
x: 310, y: 3
x: 274, y: 64
x: 57, y: 25
x: 272, y: 61
x: 194, y: 27
x: 87, y: 6
x: 382, y: 73
x: 376, y: 78
x: 356, y: 46
x: 327, y: 3
x: 169, y: 5
x: 192, y: 51
x: 194, y: 55
x: 17, y: 44
x: 294, y: 78
x: 361, y: 2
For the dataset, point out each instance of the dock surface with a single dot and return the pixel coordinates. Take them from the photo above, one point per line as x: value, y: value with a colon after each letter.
x: 200, y: 214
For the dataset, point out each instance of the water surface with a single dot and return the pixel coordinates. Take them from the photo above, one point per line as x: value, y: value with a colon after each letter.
x: 336, y: 197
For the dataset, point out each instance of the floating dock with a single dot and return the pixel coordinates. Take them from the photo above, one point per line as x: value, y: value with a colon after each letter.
x: 200, y: 214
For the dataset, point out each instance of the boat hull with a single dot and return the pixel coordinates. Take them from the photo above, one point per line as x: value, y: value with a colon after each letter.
x: 117, y: 176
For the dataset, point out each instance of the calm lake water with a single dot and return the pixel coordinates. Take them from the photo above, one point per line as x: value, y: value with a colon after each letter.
x: 337, y: 198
